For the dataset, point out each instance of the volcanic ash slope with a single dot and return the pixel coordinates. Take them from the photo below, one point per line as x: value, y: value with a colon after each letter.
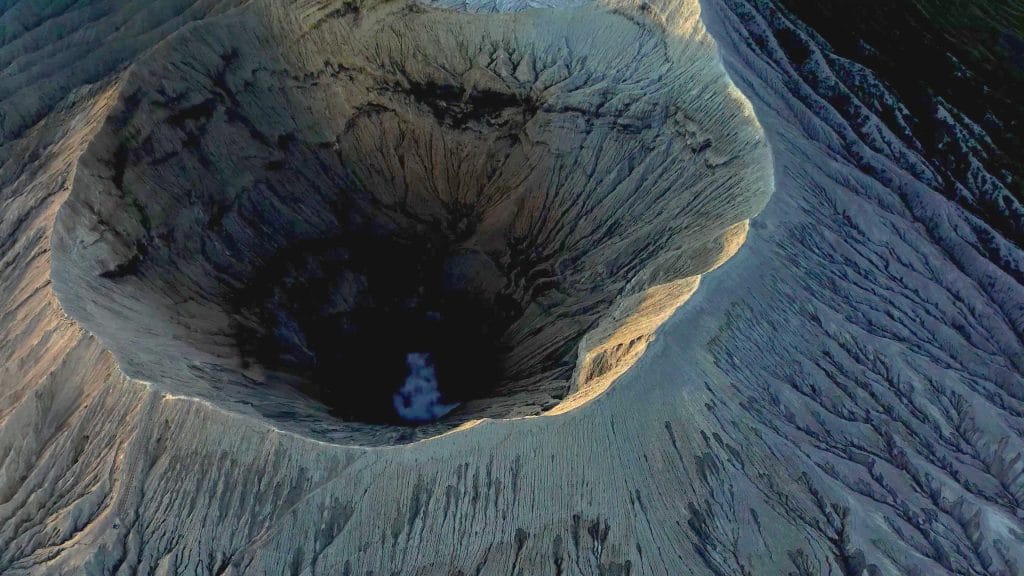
x: 843, y: 396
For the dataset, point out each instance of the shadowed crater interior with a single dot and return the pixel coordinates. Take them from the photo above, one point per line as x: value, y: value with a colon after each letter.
x: 361, y: 306
x: 353, y: 221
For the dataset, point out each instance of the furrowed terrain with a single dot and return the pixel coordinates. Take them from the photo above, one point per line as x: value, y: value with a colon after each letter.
x: 845, y: 395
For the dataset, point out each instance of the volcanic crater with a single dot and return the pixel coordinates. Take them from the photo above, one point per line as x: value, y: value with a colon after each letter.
x: 374, y: 225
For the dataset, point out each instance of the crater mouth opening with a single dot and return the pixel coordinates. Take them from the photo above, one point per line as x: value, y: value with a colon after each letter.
x: 374, y: 226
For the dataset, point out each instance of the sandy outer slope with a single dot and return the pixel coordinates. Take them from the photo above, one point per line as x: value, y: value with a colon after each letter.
x: 842, y: 397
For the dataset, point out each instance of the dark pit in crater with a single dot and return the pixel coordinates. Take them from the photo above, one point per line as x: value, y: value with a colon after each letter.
x: 387, y: 328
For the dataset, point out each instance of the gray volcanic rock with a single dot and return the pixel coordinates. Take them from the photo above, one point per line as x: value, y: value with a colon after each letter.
x: 844, y: 396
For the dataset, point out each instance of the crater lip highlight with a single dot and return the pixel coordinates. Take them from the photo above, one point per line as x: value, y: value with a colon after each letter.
x: 316, y: 223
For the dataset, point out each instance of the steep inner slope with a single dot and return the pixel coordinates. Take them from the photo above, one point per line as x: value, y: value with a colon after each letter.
x: 402, y: 212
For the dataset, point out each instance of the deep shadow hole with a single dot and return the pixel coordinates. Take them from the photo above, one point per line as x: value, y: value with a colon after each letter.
x: 343, y: 314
